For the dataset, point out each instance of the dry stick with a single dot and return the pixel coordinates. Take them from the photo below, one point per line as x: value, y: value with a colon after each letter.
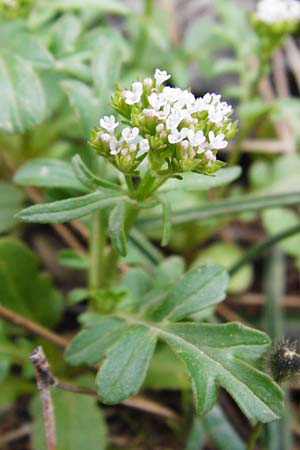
x: 293, y: 55
x: 280, y: 76
x: 281, y: 127
x: 256, y: 299
x: 33, y: 327
x: 61, y: 229
x: 265, y: 145
x: 45, y: 380
x: 21, y: 432
x: 282, y: 89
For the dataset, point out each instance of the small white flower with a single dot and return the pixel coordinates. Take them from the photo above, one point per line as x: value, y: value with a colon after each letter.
x: 216, y: 142
x: 175, y: 118
x: 148, y: 83
x: 171, y: 95
x: 177, y: 136
x: 114, y: 146
x: 210, y: 156
x: 150, y: 113
x: 109, y: 123
x: 144, y: 145
x: 164, y: 113
x: 196, y: 139
x: 134, y: 95
x: 161, y: 76
x: 156, y: 101
x: 104, y: 137
x: 129, y: 134
x: 132, y: 148
x: 159, y: 127
x: 276, y: 11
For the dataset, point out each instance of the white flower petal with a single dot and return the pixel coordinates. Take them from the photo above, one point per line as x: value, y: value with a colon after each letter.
x: 161, y: 76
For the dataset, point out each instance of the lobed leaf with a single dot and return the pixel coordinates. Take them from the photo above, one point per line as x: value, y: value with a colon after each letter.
x: 124, y: 369
x: 198, y: 289
x: 90, y: 345
x: 212, y: 362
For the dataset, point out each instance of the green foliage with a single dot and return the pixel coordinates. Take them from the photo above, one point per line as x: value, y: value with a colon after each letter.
x: 48, y: 173
x: 212, y: 354
x: 279, y: 219
x: 11, y: 200
x: 227, y: 254
x: 21, y: 54
x: 79, y: 422
x: 22, y: 288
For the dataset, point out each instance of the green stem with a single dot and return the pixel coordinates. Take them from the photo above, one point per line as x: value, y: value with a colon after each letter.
x: 263, y: 245
x: 254, y: 436
x: 146, y: 186
x: 97, y: 251
x: 130, y: 184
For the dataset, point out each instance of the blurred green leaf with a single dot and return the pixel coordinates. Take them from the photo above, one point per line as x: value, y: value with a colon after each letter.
x: 22, y: 288
x: 48, y: 173
x: 79, y: 422
x: 221, y: 431
x: 106, y: 65
x: 226, y: 254
x: 84, y: 103
x: 196, y: 436
x: 103, y: 6
x: 11, y: 199
x: 64, y: 33
x: 25, y: 45
x: 23, y: 102
x: 280, y: 219
x: 72, y: 259
x: 225, y: 207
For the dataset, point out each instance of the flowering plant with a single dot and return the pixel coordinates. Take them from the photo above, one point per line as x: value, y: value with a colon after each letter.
x: 169, y: 130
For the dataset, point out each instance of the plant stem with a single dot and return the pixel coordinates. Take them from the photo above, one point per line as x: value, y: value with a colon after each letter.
x: 254, y: 436
x: 263, y: 245
x: 97, y: 251
x: 130, y: 184
x: 146, y: 186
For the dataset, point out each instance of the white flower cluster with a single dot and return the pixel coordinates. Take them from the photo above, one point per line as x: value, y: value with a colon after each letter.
x: 277, y: 11
x: 127, y: 145
x: 177, y: 110
x: 170, y: 127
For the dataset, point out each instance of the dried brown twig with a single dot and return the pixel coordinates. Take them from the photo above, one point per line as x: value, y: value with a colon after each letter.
x: 45, y: 380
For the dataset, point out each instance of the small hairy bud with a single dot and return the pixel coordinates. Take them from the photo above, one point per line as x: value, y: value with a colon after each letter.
x: 283, y: 360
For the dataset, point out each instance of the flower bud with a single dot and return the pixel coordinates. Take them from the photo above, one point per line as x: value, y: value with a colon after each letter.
x: 283, y: 360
